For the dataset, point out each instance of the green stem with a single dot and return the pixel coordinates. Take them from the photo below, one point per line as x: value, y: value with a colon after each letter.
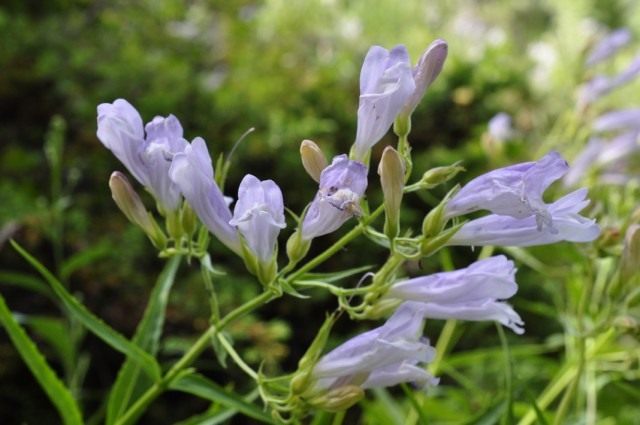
x: 335, y: 290
x: 563, y: 378
x: 189, y: 357
x: 508, y: 374
x: 236, y: 357
x: 338, y: 418
x: 442, y: 346
x: 351, y: 235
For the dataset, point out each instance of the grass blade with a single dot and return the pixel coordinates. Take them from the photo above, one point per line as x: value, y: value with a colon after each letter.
x: 202, y: 387
x: 59, y: 395
x: 91, y: 321
x: 129, y: 382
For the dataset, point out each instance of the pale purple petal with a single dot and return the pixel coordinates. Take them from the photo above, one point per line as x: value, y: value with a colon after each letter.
x: 373, y: 355
x: 164, y: 140
x: 342, y: 184
x: 400, y: 373
x: 120, y: 130
x: 487, y: 310
x: 601, y: 85
x: 608, y: 46
x: 425, y: 72
x: 582, y: 163
x: 624, y: 119
x: 514, y: 191
x: 259, y: 215
x: 500, y: 128
x: 490, y: 278
x: 386, y: 83
x: 192, y: 171
x: 148, y: 159
x: 501, y: 230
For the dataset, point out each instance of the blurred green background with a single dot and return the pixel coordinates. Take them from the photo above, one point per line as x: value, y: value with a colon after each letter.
x: 290, y: 70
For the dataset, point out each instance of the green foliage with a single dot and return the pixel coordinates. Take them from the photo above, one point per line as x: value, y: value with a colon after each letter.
x: 59, y: 395
x: 290, y: 69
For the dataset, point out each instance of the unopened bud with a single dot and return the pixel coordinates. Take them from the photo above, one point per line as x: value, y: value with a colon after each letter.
x: 338, y: 399
x: 131, y: 205
x: 439, y: 175
x: 391, y: 172
x: 435, y: 221
x: 189, y: 219
x: 297, y: 247
x: 313, y: 160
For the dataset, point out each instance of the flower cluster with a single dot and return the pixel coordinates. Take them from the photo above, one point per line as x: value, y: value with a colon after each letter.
x: 173, y: 169
x: 615, y: 134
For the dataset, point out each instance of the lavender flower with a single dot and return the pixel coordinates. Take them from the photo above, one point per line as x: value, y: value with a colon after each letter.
x: 192, y: 172
x: 608, y: 46
x: 259, y: 215
x: 599, y: 153
x: 583, y: 162
x: 425, y: 72
x: 601, y: 85
x: 514, y: 191
x: 625, y: 119
x: 342, y: 184
x: 502, y: 230
x: 386, y: 83
x: 499, y: 127
x: 382, y: 357
x: 471, y: 293
x: 147, y: 158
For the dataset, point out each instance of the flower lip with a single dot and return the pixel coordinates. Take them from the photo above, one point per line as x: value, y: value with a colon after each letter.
x: 386, y: 82
x: 259, y: 215
x: 514, y: 191
x: 342, y: 184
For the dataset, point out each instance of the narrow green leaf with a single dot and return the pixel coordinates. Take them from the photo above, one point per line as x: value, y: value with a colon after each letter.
x: 415, y: 403
x: 59, y: 395
x: 56, y: 333
x: 84, y: 258
x: 25, y: 281
x: 202, y: 387
x: 491, y: 415
x: 129, y: 382
x: 216, y: 415
x: 91, y: 321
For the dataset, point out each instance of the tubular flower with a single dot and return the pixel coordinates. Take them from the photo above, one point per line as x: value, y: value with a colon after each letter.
x: 514, y: 191
x: 147, y: 158
x: 259, y: 215
x: 342, y: 184
x: 382, y: 357
x: 609, y: 46
x: 624, y: 119
x: 472, y: 293
x: 502, y: 230
x: 192, y: 172
x: 386, y: 83
x: 425, y: 72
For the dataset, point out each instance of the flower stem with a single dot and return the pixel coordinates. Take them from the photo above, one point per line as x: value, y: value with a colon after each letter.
x: 190, y: 356
x: 351, y: 235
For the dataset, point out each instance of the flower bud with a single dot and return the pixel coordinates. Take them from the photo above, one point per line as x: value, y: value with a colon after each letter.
x: 435, y: 177
x: 338, y: 399
x: 313, y: 160
x: 131, y: 205
x: 297, y: 247
x: 391, y: 172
